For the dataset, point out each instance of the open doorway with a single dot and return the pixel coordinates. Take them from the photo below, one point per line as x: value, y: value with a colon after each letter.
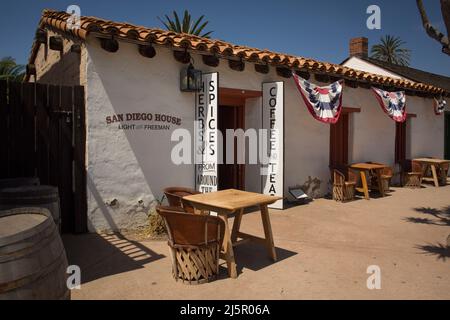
x: 231, y: 176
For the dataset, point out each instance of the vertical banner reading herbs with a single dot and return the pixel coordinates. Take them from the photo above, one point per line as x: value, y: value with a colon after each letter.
x: 206, y: 137
x: 273, y: 122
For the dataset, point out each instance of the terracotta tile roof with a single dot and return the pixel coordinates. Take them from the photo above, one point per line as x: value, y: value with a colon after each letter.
x: 57, y: 20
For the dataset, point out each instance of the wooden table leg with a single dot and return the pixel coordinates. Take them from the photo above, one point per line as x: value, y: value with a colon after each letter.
x: 364, y: 184
x: 228, y: 248
x: 380, y: 183
x: 268, y: 232
x: 236, y: 225
x: 435, y: 177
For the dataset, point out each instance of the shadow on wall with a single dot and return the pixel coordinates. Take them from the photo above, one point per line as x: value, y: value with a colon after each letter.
x: 437, y: 217
x: 65, y: 72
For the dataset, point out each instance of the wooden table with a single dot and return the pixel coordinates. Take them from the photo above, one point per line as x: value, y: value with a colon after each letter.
x: 434, y: 164
x: 231, y: 201
x: 364, y: 169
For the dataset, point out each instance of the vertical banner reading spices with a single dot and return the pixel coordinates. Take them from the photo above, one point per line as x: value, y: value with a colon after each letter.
x: 273, y: 121
x: 206, y: 137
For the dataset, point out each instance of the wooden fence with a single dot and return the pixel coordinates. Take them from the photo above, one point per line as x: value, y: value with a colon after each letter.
x: 43, y: 134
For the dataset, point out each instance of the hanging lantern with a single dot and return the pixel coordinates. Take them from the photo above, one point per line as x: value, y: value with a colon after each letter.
x: 190, y: 79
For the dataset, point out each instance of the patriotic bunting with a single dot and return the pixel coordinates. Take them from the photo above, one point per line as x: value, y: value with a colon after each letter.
x: 324, y: 103
x: 392, y: 103
x: 439, y: 106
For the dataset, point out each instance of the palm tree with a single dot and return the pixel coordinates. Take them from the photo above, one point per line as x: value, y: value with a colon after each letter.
x: 187, y: 26
x: 10, y: 70
x: 391, y: 50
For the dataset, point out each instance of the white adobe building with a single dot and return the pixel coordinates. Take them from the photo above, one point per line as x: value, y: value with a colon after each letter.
x: 134, y: 103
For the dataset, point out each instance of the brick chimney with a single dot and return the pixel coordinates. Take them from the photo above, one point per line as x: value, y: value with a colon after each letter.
x: 359, y: 47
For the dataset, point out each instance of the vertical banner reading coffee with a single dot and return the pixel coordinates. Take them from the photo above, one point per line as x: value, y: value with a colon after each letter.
x: 206, y: 137
x: 273, y: 121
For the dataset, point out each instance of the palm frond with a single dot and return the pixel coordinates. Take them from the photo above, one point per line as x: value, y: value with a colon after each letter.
x: 177, y: 22
x: 10, y: 70
x: 391, y: 50
x: 186, y: 25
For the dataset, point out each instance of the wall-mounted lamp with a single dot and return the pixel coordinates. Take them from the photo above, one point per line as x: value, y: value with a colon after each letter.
x: 190, y: 79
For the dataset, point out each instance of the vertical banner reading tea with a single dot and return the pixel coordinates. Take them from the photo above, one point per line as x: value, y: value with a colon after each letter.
x: 273, y: 121
x: 206, y: 137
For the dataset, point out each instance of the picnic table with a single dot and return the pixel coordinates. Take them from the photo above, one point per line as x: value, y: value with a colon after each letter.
x: 364, y: 168
x: 231, y: 201
x: 435, y: 164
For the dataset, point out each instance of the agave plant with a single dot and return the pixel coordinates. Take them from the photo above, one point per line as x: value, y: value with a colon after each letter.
x: 188, y: 25
x: 10, y: 70
x: 391, y: 50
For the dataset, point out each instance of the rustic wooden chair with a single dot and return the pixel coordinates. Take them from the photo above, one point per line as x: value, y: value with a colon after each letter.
x: 175, y: 196
x: 412, y: 173
x: 195, y: 242
x: 386, y: 177
x: 344, y: 183
x: 443, y: 174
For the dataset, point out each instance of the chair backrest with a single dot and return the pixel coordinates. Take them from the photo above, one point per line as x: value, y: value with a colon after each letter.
x: 387, y: 171
x: 186, y: 229
x: 338, y: 177
x: 175, y: 195
x: 416, y: 166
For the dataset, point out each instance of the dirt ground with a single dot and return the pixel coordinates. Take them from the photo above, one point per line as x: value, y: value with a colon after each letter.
x: 324, y: 250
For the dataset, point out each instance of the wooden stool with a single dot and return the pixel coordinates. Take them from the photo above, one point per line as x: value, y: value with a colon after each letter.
x: 195, y: 242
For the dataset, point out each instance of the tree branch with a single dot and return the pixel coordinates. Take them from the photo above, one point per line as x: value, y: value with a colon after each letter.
x: 431, y: 30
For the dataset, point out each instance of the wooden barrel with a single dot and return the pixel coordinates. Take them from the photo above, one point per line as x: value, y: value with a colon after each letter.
x: 33, y: 262
x: 32, y: 196
x: 18, y: 182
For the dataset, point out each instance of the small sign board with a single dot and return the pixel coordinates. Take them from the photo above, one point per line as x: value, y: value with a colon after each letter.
x: 273, y: 121
x: 206, y: 136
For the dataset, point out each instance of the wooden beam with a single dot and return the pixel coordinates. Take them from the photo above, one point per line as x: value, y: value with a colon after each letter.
x: 322, y: 77
x: 147, y: 51
x: 243, y: 93
x: 350, y: 110
x: 41, y: 36
x: 56, y: 43
x: 304, y: 74
x: 211, y: 61
x: 262, y: 68
x: 284, y: 72
x: 182, y: 56
x: 236, y: 65
x: 31, y: 70
x: 110, y: 45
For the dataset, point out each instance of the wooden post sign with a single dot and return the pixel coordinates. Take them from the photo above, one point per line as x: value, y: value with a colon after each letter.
x: 273, y: 122
x: 206, y: 136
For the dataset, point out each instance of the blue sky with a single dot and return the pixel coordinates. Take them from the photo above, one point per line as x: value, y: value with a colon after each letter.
x: 318, y: 29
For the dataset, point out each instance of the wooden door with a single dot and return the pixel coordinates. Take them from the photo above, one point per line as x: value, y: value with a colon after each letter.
x: 339, y: 141
x: 400, y: 142
x: 42, y: 133
x: 231, y: 176
x: 447, y: 136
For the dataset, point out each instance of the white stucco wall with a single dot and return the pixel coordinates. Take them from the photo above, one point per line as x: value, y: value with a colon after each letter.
x: 359, y: 64
x: 131, y: 167
x: 128, y: 169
